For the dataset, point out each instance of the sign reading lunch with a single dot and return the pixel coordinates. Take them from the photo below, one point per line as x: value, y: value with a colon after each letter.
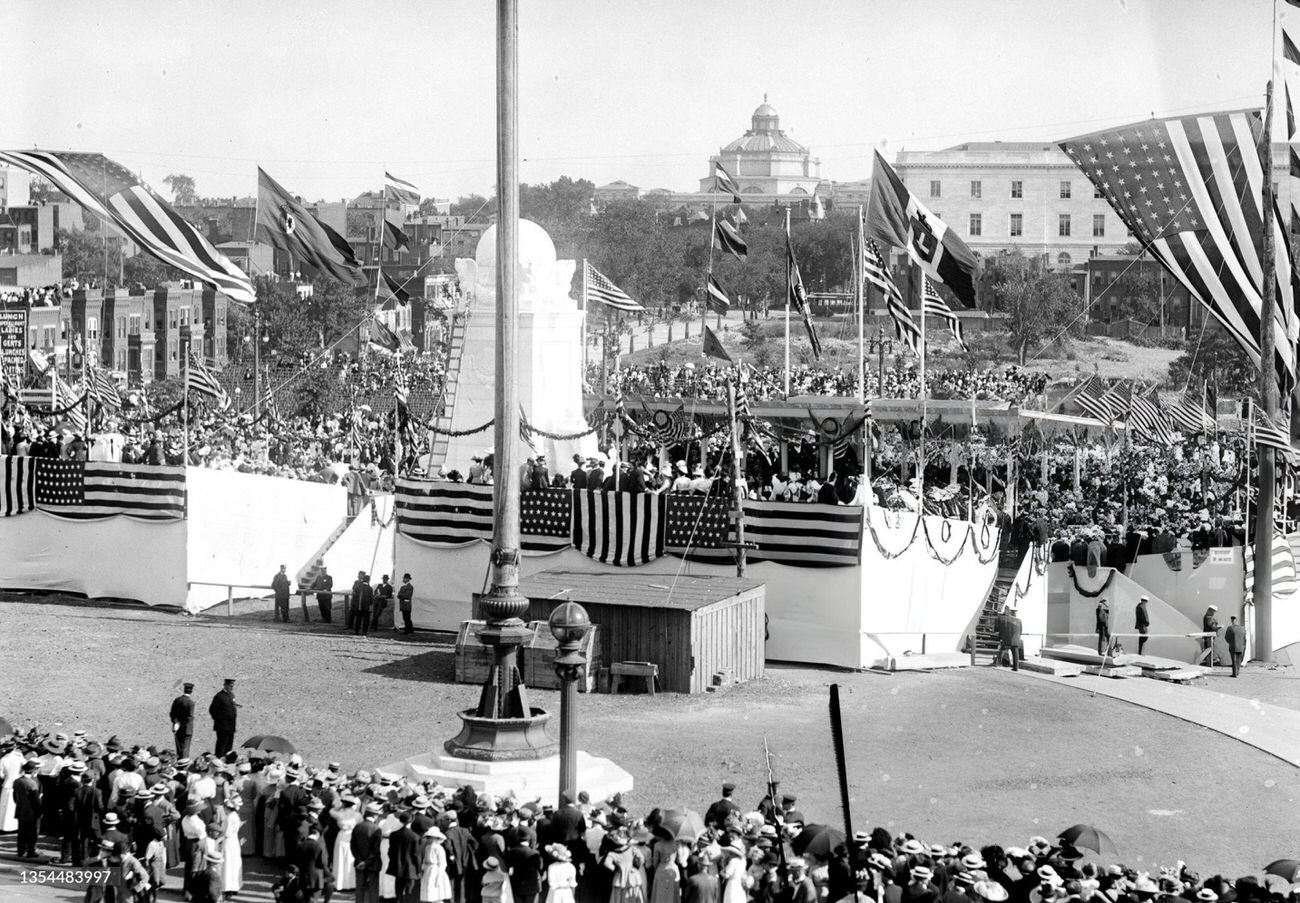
x: 13, y: 345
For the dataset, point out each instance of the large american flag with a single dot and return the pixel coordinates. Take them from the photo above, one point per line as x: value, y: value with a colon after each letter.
x: 17, y: 484
x: 799, y: 534
x: 1190, y: 189
x: 698, y: 524
x: 116, y: 195
x: 546, y: 519
x: 597, y: 287
x: 444, y: 513
x: 94, y: 489
x: 619, y: 528
x: 876, y: 272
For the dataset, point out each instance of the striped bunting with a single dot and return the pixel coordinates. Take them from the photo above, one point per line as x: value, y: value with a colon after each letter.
x: 1190, y: 189
x: 111, y: 192
x: 1284, y: 574
x: 86, y: 490
x: 934, y: 305
x: 619, y: 528
x: 17, y: 484
x: 598, y: 287
x: 798, y: 534
x: 444, y: 513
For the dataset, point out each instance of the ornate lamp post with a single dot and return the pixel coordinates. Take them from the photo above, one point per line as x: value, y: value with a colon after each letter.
x: 569, y: 623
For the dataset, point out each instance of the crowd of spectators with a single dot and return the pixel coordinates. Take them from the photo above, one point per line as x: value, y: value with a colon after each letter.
x: 44, y: 296
x: 152, y: 818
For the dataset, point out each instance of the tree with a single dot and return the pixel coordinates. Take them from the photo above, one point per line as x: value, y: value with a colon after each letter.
x: 184, y: 192
x: 1135, y: 295
x: 1043, y: 308
x: 1217, y: 359
x: 360, y: 224
x: 471, y: 206
x: 90, y: 258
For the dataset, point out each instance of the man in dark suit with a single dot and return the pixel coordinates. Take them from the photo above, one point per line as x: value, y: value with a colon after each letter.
x: 363, y: 597
x: 324, y: 585
x: 1142, y: 623
x: 28, y: 809
x: 84, y: 809
x: 1009, y: 629
x: 578, y: 476
x: 826, y: 494
x: 595, y: 475
x: 366, y: 840
x: 701, y: 885
x: 462, y: 855
x: 717, y: 813
x: 404, y: 860
x: 313, y: 866
x: 1103, y: 627
x: 1210, y: 624
x: 182, y: 716
x: 225, y: 713
x: 1235, y: 637
x: 802, y: 888
x: 293, y: 808
x: 524, y: 865
x: 280, y: 586
x: 567, y: 823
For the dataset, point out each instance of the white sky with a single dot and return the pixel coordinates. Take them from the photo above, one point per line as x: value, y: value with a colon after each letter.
x: 326, y: 94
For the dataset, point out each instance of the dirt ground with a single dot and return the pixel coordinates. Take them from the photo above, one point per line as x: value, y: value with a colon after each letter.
x: 978, y: 755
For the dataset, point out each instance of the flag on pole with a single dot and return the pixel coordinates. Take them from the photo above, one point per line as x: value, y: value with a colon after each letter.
x: 400, y: 190
x: 1092, y: 399
x: 933, y: 304
x: 817, y: 211
x: 1148, y: 422
x: 77, y: 347
x: 1271, y: 435
x: 39, y: 361
x: 69, y: 404
x: 726, y: 237
x: 876, y: 272
x: 796, y: 297
x: 599, y: 288
x: 114, y: 194
x: 1190, y: 190
x: 712, y: 346
x: 1290, y: 66
x: 716, y: 298
x: 895, y: 217
x: 1283, y: 571
x: 287, y: 226
x: 392, y: 293
x: 723, y: 183
x: 394, y: 238
x: 382, y: 338
x: 1189, y: 417
x: 102, y: 388
x: 200, y: 379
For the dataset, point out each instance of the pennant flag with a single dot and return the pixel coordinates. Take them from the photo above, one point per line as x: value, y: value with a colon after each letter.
x: 934, y: 305
x: 392, y: 293
x: 599, y: 288
x: 394, y: 238
x: 382, y: 338
x: 876, y: 272
x: 86, y: 490
x: 895, y: 217
x: 111, y: 192
x: 716, y: 298
x: 17, y: 484
x: 1283, y: 571
x: 795, y: 296
x: 400, y: 190
x: 619, y: 528
x: 1189, y: 189
x: 726, y: 237
x: 723, y: 183
x: 288, y: 227
x: 712, y: 347
x: 199, y: 379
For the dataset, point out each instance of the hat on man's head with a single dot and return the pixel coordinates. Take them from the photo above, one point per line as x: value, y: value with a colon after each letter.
x: 922, y: 873
x: 187, y: 686
x: 1213, y: 607
x: 991, y: 891
x: 110, y: 818
x: 973, y: 861
x: 1206, y: 895
x: 913, y: 847
x: 728, y: 787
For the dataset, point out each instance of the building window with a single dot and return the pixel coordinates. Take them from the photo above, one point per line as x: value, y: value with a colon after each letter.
x: 1096, y: 278
x: 121, y: 327
x: 1063, y: 225
x: 171, y: 318
x: 49, y: 336
x: 92, y: 329
x: 977, y: 189
x: 1065, y: 190
x: 64, y: 325
x: 935, y: 188
x: 135, y: 325
x: 185, y: 316
x: 171, y: 350
x: 976, y: 224
x: 1017, y: 225
x: 1017, y: 189
x: 1063, y: 259
x: 1097, y: 192
x: 1098, y: 225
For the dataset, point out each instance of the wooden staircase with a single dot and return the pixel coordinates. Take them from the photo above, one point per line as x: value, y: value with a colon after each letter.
x: 450, y: 386
x: 986, y: 629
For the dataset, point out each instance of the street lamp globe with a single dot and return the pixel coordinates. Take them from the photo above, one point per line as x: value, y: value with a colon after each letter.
x: 569, y: 623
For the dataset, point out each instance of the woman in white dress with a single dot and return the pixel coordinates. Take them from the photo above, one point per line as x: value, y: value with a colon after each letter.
x: 733, y: 874
x: 561, y: 877
x: 11, y: 766
x: 435, y: 886
x: 345, y: 874
x: 232, y: 862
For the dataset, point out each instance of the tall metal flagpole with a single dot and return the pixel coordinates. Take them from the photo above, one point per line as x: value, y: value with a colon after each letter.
x: 185, y: 407
x: 862, y: 303
x: 787, y: 302
x: 920, y: 474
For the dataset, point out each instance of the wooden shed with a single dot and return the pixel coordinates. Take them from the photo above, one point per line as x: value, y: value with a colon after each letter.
x: 692, y: 627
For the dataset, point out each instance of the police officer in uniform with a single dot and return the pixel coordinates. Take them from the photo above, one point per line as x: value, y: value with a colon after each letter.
x: 182, y: 716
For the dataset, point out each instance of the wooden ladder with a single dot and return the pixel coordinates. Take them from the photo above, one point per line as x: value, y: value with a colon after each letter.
x: 450, y: 383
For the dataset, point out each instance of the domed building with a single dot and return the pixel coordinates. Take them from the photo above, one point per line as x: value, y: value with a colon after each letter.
x: 766, y: 162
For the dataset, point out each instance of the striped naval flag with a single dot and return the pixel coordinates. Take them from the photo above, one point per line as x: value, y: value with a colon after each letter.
x: 619, y: 528
x: 86, y: 490
x: 113, y: 193
x: 599, y: 288
x: 1190, y: 189
x: 723, y: 183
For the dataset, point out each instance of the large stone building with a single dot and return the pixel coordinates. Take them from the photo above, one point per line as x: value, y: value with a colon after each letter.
x: 767, y: 163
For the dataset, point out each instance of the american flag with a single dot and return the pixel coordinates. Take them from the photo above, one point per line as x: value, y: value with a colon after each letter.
x: 1190, y: 190
x: 1148, y: 422
x: 932, y: 303
x: 199, y: 379
x: 1283, y: 572
x: 799, y: 534
x: 17, y: 484
x: 723, y: 183
x: 795, y: 295
x: 102, y: 388
x: 70, y: 404
x: 1090, y: 397
x: 619, y: 528
x: 113, y: 193
x: 443, y: 513
x: 599, y: 288
x: 94, y: 489
x: 546, y: 519
x: 876, y: 272
x: 1189, y: 417
x: 1270, y: 435
x: 697, y: 527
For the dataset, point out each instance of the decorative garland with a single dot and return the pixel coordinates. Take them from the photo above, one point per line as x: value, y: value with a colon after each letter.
x: 988, y: 543
x: 934, y: 551
x: 885, y: 553
x: 1074, y: 578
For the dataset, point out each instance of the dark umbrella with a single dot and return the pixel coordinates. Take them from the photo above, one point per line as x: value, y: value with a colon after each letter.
x: 682, y: 824
x: 6, y: 729
x: 269, y: 743
x: 805, y: 837
x: 824, y: 844
x: 1086, y: 837
x: 1284, y: 868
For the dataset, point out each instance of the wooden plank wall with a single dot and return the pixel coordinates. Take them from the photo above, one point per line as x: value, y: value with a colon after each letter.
x: 728, y: 636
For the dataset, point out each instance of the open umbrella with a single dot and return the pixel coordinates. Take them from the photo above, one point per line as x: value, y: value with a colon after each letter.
x: 1086, y: 837
x: 682, y: 824
x: 269, y: 743
x: 1283, y: 868
x: 824, y: 844
x: 800, y: 844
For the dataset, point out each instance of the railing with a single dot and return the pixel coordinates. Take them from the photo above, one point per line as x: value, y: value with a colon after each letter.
x: 302, y: 593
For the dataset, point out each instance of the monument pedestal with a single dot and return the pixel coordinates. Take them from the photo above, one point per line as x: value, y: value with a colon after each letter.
x: 530, y: 779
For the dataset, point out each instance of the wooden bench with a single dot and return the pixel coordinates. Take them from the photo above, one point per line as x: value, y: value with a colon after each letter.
x: 648, y: 671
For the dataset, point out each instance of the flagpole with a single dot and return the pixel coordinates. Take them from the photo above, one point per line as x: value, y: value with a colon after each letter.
x: 713, y: 232
x: 1263, y: 590
x: 787, y: 306
x: 582, y: 327
x: 924, y: 390
x: 857, y: 266
x: 185, y: 408
x: 738, y: 473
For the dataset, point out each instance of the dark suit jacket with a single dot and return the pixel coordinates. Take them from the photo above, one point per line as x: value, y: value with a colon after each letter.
x: 366, y: 838
x: 525, y: 867
x: 363, y: 596
x: 85, y: 807
x: 404, y: 854
x: 182, y: 711
x: 702, y: 887
x: 313, y: 864
x: 27, y: 798
x: 1235, y: 637
x: 223, y: 711
x: 595, y: 479
x: 1141, y: 619
x: 567, y: 824
x: 578, y: 479
x: 826, y: 495
x: 1009, y: 628
x: 280, y: 586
